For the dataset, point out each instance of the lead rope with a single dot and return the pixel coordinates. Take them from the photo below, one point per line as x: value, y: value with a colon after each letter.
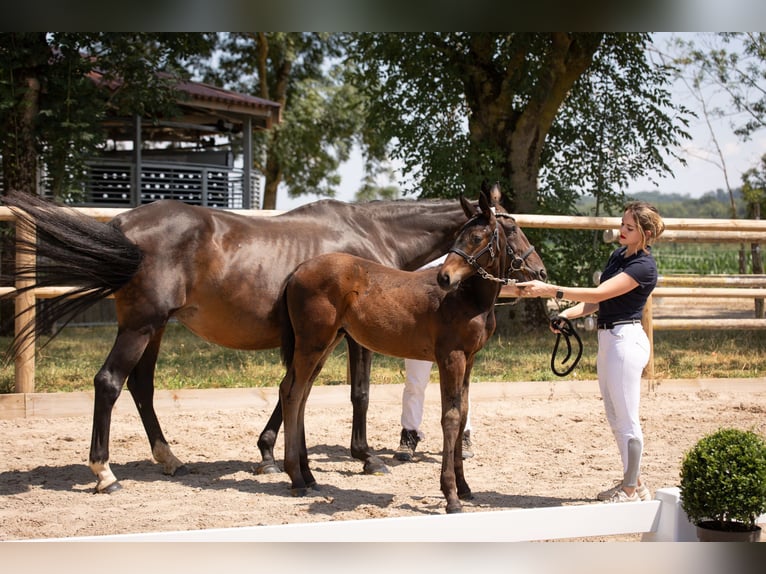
x: 564, y: 327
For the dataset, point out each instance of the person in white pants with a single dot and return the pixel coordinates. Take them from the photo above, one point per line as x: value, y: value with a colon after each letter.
x: 417, y: 377
x: 626, y: 283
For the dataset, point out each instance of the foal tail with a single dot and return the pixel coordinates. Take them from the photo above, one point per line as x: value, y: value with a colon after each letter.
x: 73, y: 250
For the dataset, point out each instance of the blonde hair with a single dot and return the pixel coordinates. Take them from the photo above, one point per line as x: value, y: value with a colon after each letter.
x: 648, y: 219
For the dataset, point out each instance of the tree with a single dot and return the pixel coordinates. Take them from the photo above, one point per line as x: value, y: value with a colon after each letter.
x: 321, y: 114
x: 464, y: 107
x: 50, y: 109
x: 735, y: 65
x: 552, y: 116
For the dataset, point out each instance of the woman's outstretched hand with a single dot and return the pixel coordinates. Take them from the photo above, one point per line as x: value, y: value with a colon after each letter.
x: 536, y: 288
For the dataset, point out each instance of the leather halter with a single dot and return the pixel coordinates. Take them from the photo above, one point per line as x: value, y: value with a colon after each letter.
x: 492, y: 247
x: 518, y: 262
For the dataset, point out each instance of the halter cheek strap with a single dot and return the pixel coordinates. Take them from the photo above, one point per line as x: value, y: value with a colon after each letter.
x: 473, y: 260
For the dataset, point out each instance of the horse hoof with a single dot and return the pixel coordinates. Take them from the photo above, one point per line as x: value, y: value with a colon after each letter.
x: 299, y: 491
x: 111, y: 489
x: 454, y: 509
x: 467, y: 495
x: 182, y: 470
x: 267, y: 468
x: 375, y: 466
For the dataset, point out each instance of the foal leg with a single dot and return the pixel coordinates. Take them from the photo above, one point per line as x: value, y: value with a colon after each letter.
x: 453, y: 421
x: 141, y: 387
x: 125, y: 354
x: 463, y: 490
x: 360, y: 364
x: 293, y: 392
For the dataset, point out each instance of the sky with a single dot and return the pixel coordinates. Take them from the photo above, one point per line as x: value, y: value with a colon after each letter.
x: 703, y: 172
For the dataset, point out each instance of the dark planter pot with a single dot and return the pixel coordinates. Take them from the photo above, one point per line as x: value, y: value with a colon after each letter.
x: 715, y: 531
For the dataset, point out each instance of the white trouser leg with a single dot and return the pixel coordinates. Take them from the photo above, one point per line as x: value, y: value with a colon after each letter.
x: 417, y: 376
x: 623, y: 352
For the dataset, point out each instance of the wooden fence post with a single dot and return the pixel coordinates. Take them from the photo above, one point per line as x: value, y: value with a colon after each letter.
x: 24, y: 361
x: 647, y: 324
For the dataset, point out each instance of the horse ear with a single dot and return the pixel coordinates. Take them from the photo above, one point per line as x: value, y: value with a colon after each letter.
x: 495, y: 194
x: 468, y: 207
x: 486, y: 205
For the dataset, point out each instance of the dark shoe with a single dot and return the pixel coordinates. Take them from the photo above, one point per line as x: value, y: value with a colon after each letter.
x: 467, y: 444
x: 407, y: 445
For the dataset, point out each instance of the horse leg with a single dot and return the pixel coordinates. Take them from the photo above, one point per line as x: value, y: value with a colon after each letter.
x: 463, y: 490
x: 360, y: 364
x: 453, y: 420
x: 141, y: 387
x: 308, y: 477
x: 125, y: 354
x: 266, y: 441
x: 294, y: 393
x: 293, y: 399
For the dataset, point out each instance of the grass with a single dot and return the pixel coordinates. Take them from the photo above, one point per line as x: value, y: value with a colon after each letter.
x: 71, y: 360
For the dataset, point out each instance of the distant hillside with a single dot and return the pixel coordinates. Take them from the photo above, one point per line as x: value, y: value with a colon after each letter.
x: 713, y: 204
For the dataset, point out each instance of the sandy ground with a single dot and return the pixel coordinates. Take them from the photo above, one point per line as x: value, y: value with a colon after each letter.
x: 536, y: 445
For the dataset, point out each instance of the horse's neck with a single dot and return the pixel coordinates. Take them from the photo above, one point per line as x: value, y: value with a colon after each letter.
x: 487, y: 290
x: 420, y: 234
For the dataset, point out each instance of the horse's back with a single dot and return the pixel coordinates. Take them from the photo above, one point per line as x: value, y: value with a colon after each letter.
x: 384, y: 309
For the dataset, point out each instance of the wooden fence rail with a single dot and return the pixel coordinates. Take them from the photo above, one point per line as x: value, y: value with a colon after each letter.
x: 679, y: 229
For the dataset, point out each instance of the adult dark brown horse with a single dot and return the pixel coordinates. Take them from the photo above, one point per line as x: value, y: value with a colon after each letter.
x: 443, y: 315
x: 217, y: 272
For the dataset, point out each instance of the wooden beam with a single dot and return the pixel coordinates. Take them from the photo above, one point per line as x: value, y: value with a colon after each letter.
x: 711, y: 324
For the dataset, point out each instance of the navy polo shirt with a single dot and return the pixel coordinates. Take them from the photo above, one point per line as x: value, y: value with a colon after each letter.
x: 641, y: 267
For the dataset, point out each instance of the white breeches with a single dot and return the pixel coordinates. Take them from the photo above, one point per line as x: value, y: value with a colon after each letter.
x: 417, y: 376
x: 623, y: 352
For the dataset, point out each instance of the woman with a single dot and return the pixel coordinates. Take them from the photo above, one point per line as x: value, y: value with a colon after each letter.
x: 628, y: 279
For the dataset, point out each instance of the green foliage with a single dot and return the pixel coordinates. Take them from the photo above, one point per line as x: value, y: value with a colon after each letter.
x: 695, y: 258
x: 586, y: 111
x: 51, y: 109
x: 321, y: 112
x: 723, y: 478
x: 735, y: 64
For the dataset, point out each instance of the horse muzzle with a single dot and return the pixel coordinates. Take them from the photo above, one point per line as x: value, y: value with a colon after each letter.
x: 448, y: 281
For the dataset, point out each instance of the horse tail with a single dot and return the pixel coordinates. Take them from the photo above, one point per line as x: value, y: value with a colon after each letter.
x: 287, y: 349
x: 72, y: 249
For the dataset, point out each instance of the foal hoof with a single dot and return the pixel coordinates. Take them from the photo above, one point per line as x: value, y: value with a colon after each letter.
x: 374, y: 465
x: 299, y: 491
x: 454, y: 508
x: 111, y: 489
x: 267, y: 468
x: 467, y: 495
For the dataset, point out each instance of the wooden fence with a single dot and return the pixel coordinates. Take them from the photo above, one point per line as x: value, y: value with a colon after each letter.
x: 701, y: 230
